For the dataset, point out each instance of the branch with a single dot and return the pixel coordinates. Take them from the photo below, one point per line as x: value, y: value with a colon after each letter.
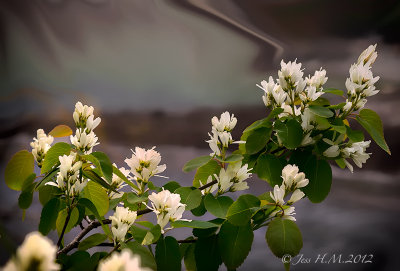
x: 64, y: 228
x: 94, y: 224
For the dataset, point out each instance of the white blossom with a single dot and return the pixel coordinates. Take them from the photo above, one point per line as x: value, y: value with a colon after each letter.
x: 310, y: 94
x: 292, y: 178
x: 273, y: 93
x: 296, y: 196
x: 167, y: 206
x: 225, y: 123
x: 288, y: 110
x: 233, y: 178
x: 145, y: 163
x: 117, y: 183
x: 84, y: 140
x: 368, y: 56
x: 81, y: 114
x: 224, y: 181
x: 123, y: 261
x: 318, y: 79
x: 121, y: 221
x: 357, y: 152
x: 291, y: 74
x: 332, y: 151
x: 287, y: 213
x: 36, y: 251
x: 307, y: 120
x: 278, y: 194
x: 40, y: 145
x: 92, y: 123
x: 307, y: 140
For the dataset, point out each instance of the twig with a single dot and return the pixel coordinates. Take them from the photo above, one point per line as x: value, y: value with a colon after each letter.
x: 64, y: 228
x: 208, y: 185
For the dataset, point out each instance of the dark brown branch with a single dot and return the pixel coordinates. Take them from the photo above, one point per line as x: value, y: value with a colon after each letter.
x: 208, y: 185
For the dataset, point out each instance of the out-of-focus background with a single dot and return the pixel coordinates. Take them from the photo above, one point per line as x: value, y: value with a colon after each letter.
x: 157, y: 71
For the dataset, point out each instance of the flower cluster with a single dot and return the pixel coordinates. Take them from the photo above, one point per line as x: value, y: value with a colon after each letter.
x: 360, y: 84
x: 292, y: 181
x: 84, y: 138
x: 231, y: 179
x: 167, y: 206
x: 36, y: 253
x: 68, y: 178
x: 40, y: 145
x: 121, y: 221
x: 117, y: 183
x: 124, y: 261
x: 145, y: 164
x: 221, y: 136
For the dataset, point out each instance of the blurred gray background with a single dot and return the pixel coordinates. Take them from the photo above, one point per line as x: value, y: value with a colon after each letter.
x: 157, y: 71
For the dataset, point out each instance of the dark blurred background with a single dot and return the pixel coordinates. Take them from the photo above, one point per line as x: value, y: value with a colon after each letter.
x: 157, y: 71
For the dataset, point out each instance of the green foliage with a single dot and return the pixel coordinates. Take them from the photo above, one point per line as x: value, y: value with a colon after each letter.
x: 92, y: 241
x: 333, y: 91
x: 211, y: 168
x: 52, y: 156
x: 241, y: 211
x: 207, y: 253
x: 235, y: 243
x: 269, y: 168
x: 49, y: 216
x: 26, y: 196
x: 18, y: 169
x: 61, y: 131
x: 190, y: 196
x: 61, y: 218
x: 187, y: 252
x: 168, y: 254
x: 197, y: 224
x: 171, y: 186
x: 354, y: 135
x: 321, y: 111
x: 146, y: 237
x: 284, y: 237
x: 217, y: 206
x: 105, y: 165
x: 317, y: 171
x: 257, y: 140
x: 146, y: 257
x: 47, y: 192
x: 98, y: 196
x: 290, y: 133
x: 373, y: 125
x: 196, y: 163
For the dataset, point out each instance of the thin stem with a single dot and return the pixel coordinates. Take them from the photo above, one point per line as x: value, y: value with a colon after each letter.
x: 208, y: 185
x: 64, y: 227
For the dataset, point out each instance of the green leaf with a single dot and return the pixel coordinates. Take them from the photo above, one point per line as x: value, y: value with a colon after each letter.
x: 147, y: 259
x: 232, y: 158
x: 291, y: 133
x: 18, y: 169
x: 217, y: 206
x: 190, y: 196
x: 152, y: 235
x: 207, y: 254
x: 47, y: 178
x: 132, y: 198
x: 117, y: 172
x: 196, y: 163
x: 168, y: 254
x: 269, y: 168
x: 211, y: 168
x: 333, y: 91
x: 257, y: 140
x: 354, y: 135
x: 62, y: 216
x: 61, y: 131
x: 262, y: 123
x: 171, y: 186
x: 196, y: 224
x: 92, y: 175
x: 340, y: 162
x: 189, y: 258
x: 284, y: 237
x: 105, y: 164
x: 242, y: 209
x: 26, y: 196
x: 235, y: 243
x: 318, y: 172
x: 47, y: 192
x: 337, y: 106
x: 373, y: 125
x: 92, y: 241
x: 97, y: 195
x: 49, y: 216
x: 200, y: 210
x: 321, y: 111
x: 52, y: 155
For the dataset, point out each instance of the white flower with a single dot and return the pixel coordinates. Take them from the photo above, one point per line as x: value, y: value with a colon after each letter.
x: 311, y: 94
x: 278, y: 194
x: 40, y: 145
x: 292, y: 178
x: 368, y: 56
x: 92, y: 123
x: 117, y: 183
x: 124, y: 261
x: 307, y: 120
x: 121, y: 221
x: 272, y: 91
x: 224, y: 181
x: 233, y: 178
x: 167, y: 206
x: 225, y: 138
x: 145, y: 163
x: 81, y: 114
x: 357, y: 152
x: 289, y: 214
x: 296, y: 196
x: 288, y: 110
x: 318, y: 79
x: 84, y: 140
x: 213, y: 143
x: 347, y: 106
x: 291, y: 74
x: 225, y: 123
x: 307, y: 140
x: 36, y: 251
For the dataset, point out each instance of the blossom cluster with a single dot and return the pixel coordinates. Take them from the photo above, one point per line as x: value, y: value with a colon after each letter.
x: 293, y: 180
x: 123, y: 261
x: 121, y: 221
x: 221, y: 136
x: 40, y: 145
x: 84, y: 138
